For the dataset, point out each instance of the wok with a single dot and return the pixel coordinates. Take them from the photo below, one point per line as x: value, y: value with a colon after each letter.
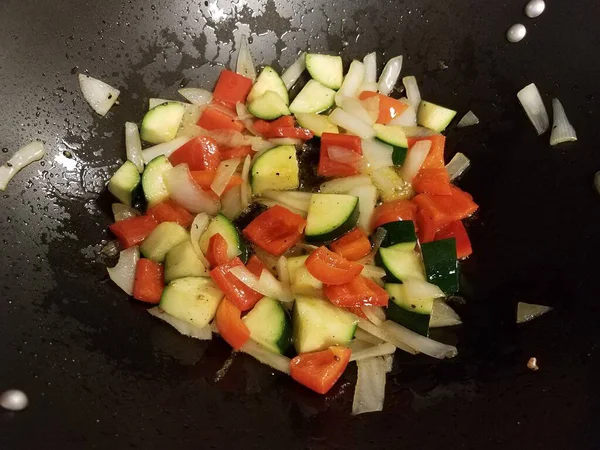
x: 101, y: 373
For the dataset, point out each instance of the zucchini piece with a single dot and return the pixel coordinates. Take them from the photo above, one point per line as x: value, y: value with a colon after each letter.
x: 182, y: 261
x: 318, y: 324
x: 269, y: 325
x: 164, y: 237
x: 300, y: 278
x: 394, y: 136
x: 441, y: 265
x: 268, y: 80
x: 413, y: 315
x: 400, y: 264
x: 390, y: 185
x: 330, y: 216
x: 154, y: 187
x: 223, y: 226
x: 161, y: 123
x: 326, y: 69
x: 316, y: 123
x: 268, y: 106
x: 400, y: 235
x: 191, y: 299
x: 434, y: 117
x: 276, y: 169
x: 313, y: 98
x: 125, y: 183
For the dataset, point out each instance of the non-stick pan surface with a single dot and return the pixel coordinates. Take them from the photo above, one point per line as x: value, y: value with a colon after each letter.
x: 101, y: 373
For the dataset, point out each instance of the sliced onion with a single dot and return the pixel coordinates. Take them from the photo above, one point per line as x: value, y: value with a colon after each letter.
x: 230, y: 138
x: 245, y: 62
x: 283, y: 273
x: 246, y: 118
x: 270, y: 203
x: 442, y: 315
x: 562, y: 130
x: 367, y: 199
x: 533, y: 105
x: 343, y: 185
x: 390, y: 75
x: 468, y: 120
x: 379, y: 333
x: 369, y: 393
x: 414, y: 290
x: 121, y: 211
x: 293, y: 73
x: 191, y: 131
x: 246, y: 189
x: 352, y: 82
x: 262, y: 145
x: 187, y: 193
x: 266, y: 284
x: 223, y: 174
x: 185, y: 328
x: 418, y: 131
x: 457, y: 166
x: 371, y: 106
x: 376, y: 155
x: 357, y: 346
x: 372, y: 272
x: 354, y: 107
x: 99, y: 95
x: 287, y: 141
x: 22, y: 158
x: 399, y: 334
x: 265, y: 356
x: 370, y: 63
x: 164, y: 149
x: 196, y: 96
x: 372, y: 351
x: 191, y: 116
x: 154, y: 102
x: 351, y: 124
x: 362, y: 335
x: 412, y: 92
x: 529, y: 311
x: 231, y: 203
x: 199, y: 226
x: 414, y: 160
x: 133, y: 145
x: 123, y: 274
x: 389, y: 363
x: 296, y: 200
x: 375, y: 314
x: 344, y: 156
x: 378, y: 238
x: 408, y: 118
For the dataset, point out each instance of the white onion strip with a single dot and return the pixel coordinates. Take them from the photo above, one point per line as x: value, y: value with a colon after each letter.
x: 369, y: 393
x: 199, y: 226
x: 457, y: 166
x: 532, y: 103
x: 270, y: 203
x: 372, y: 351
x: 187, y: 193
x: 443, y: 315
x: 390, y: 75
x: 246, y: 189
x: 376, y: 155
x: 224, y: 173
x: 375, y: 314
x: 133, y: 146
x: 121, y: 211
x: 362, y: 335
x: 284, y: 275
x: 99, y: 95
x: 412, y: 92
x: 22, y: 157
x: 371, y: 272
x: 351, y: 124
x: 293, y: 73
x: 354, y: 107
x: 344, y: 156
x: 185, y: 328
x: 529, y: 311
x: 468, y: 120
x: 408, y: 118
x: 401, y: 335
x: 379, y: 333
x: 164, y: 149
x: 196, y: 96
x: 414, y: 160
x: 352, y: 82
x: 562, y: 130
x: 245, y: 117
x: 343, y: 185
x: 370, y: 63
x: 245, y: 62
x: 231, y: 203
x: 367, y: 199
x: 271, y: 359
x: 266, y: 284
x: 296, y: 200
x: 123, y: 274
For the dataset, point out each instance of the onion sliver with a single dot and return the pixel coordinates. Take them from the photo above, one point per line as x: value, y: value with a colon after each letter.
x: 378, y: 238
x: 562, y: 130
x: 231, y: 203
x: 372, y: 351
x: 164, y: 149
x: 376, y: 155
x: 351, y: 124
x: 344, y: 185
x: 367, y: 199
x: 196, y: 96
x: 530, y: 311
x: 457, y: 166
x: 352, y: 82
x: 379, y: 333
x: 291, y: 75
x: 412, y: 92
x: 99, y: 95
x: 245, y: 62
x: 123, y: 274
x: 245, y: 117
x: 199, y: 226
x: 407, y: 119
x: 271, y: 359
x: 414, y: 160
x: 400, y: 335
x: 224, y: 173
x: 354, y: 107
x: 297, y: 200
x: 370, y: 63
x: 22, y: 157
x: 369, y: 393
x: 344, y: 156
x: 187, y: 193
x: 532, y: 103
x: 468, y: 120
x: 185, y: 328
x: 390, y: 75
x: 121, y: 211
x: 375, y: 314
x: 133, y: 146
x: 442, y: 315
x: 246, y: 189
x: 362, y: 335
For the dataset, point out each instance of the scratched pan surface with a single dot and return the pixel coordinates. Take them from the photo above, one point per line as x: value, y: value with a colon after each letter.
x: 101, y: 373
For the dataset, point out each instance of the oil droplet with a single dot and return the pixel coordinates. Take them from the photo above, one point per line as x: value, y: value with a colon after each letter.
x: 4, y: 150
x: 535, y: 8
x: 516, y: 33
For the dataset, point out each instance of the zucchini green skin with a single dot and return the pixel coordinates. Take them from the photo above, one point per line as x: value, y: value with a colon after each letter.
x: 400, y: 232
x: 441, y: 264
x: 348, y: 225
x: 126, y: 185
x: 270, y: 325
x: 419, y: 323
x: 399, y: 155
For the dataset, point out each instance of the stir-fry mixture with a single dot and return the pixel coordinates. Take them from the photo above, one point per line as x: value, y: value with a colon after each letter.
x: 308, y: 232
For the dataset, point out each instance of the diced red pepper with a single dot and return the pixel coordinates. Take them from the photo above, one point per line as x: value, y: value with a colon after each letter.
x: 426, y: 226
x: 320, y: 371
x: 217, y: 250
x: 204, y: 179
x: 276, y: 230
x: 134, y: 230
x: 353, y: 245
x: 237, y: 292
x: 232, y: 88
x: 255, y: 265
x: 331, y: 268
x: 432, y: 181
x: 230, y: 324
x: 388, y: 107
x: 236, y: 152
x: 394, y: 211
x: 360, y: 291
x: 329, y: 168
x: 200, y: 153
x: 457, y: 231
x: 289, y: 132
x: 149, y: 281
x: 171, y: 211
x: 215, y: 119
x: 435, y: 157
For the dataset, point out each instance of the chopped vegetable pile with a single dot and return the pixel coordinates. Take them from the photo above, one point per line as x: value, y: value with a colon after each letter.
x: 348, y: 271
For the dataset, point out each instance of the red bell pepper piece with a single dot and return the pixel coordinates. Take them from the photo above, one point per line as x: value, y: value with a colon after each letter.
x: 319, y: 371
x: 237, y: 292
x: 457, y: 231
x: 426, y: 226
x: 134, y: 230
x: 255, y: 265
x: 230, y: 324
x: 231, y: 88
x: 149, y: 281
x: 283, y: 122
x: 289, y: 132
x: 276, y: 230
x: 353, y: 245
x: 200, y: 153
x: 171, y: 211
x: 204, y: 179
x: 432, y: 181
x: 435, y: 157
x: 236, y: 152
x: 393, y: 212
x: 329, y: 168
x: 358, y: 292
x: 217, y: 250
x: 331, y: 268
x: 215, y: 119
x: 388, y: 107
